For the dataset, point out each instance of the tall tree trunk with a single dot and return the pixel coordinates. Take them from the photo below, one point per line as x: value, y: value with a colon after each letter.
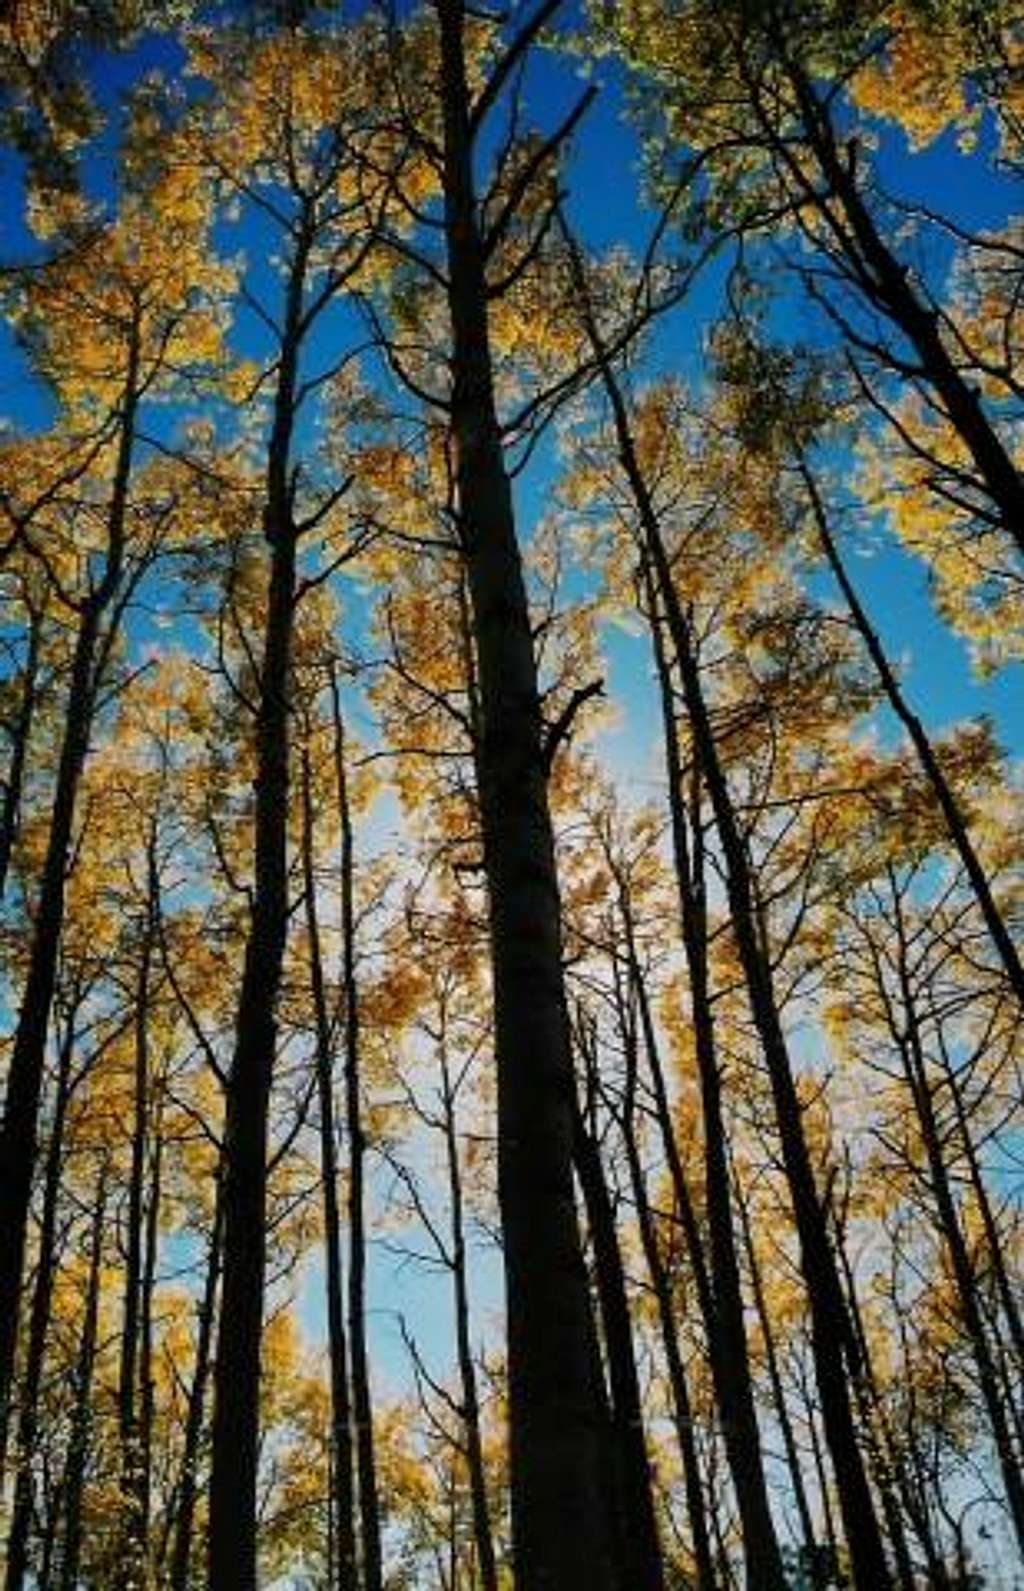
x: 642, y: 1563
x: 81, y: 1415
x: 342, y: 1494
x: 482, y: 1532
x: 181, y: 1569
x: 147, y: 1381
x: 237, y: 1369
x: 996, y: 1255
x: 888, y: 287
x: 730, y: 1361
x: 821, y: 1474
x: 782, y: 1414
x: 831, y: 1335
x: 949, y: 806
x: 20, y: 734
x: 131, y: 1556
x: 682, y: 1413
x: 830, y: 1328
x: 232, y: 1537
x: 696, y: 1507
x: 916, y: 1069
x: 362, y: 1401
x: 732, y: 1378
x: 39, y: 1322
x: 49, y: 1540
x: 832, y: 1339
x: 559, y: 1527
x: 886, y: 1462
x: 18, y: 1135
x: 19, y: 1132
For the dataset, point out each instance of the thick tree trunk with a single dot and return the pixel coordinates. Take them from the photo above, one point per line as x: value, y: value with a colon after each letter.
x: 38, y: 1327
x: 232, y: 1546
x: 232, y: 1537
x: 559, y: 1525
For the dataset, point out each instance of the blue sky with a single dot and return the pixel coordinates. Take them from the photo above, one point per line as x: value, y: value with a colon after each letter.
x: 605, y: 175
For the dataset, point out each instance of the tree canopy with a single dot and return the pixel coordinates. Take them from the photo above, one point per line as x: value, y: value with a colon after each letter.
x: 511, y: 554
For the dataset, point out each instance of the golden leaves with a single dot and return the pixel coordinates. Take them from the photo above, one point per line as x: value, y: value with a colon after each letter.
x: 918, y: 80
x: 922, y: 488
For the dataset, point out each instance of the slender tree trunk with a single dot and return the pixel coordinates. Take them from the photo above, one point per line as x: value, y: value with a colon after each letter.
x: 955, y: 823
x: 830, y: 1329
x: 696, y: 1505
x: 827, y: 1515
x: 685, y: 1212
x: 919, y: 1484
x: 342, y: 1494
x: 916, y: 1070
x: 19, y: 1132
x: 482, y: 1532
x: 48, y: 1544
x: 181, y: 1568
x: 232, y: 1537
x: 18, y: 1136
x: 559, y: 1526
x: 641, y: 1548
x: 147, y: 1382
x: 682, y: 1409
x: 724, y: 1564
x: 131, y: 1556
x: 81, y: 1417
x: 764, y: 1319
x: 728, y: 1374
x: 38, y: 1328
x: 996, y: 1255
x: 362, y: 1401
x: 880, y: 1448
x: 831, y: 1335
x: 887, y: 285
x: 730, y: 1360
x: 21, y: 1108
x: 21, y: 732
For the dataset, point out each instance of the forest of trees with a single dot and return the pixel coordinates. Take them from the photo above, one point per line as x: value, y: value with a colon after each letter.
x: 511, y: 563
